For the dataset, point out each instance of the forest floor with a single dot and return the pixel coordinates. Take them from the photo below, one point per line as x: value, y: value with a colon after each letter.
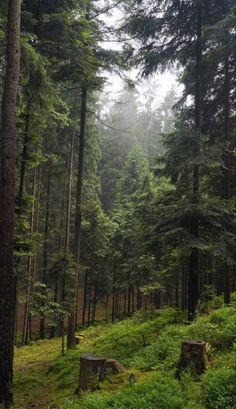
x: 148, y: 345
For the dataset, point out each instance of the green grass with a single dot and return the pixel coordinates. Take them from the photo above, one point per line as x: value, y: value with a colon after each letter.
x: 149, y: 346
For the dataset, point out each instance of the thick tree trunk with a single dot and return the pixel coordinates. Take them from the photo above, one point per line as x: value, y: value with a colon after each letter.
x: 7, y: 203
x: 194, y: 267
x: 73, y: 317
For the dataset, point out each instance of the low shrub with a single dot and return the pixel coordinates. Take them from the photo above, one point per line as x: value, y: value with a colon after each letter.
x: 158, y: 393
x: 219, y: 389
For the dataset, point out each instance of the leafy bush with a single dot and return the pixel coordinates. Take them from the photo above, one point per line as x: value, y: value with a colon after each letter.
x: 218, y: 328
x: 164, y: 352
x: 157, y: 393
x: 127, y: 337
x: 219, y: 389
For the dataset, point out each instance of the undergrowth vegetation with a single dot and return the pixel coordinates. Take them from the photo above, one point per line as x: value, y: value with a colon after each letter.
x: 149, y: 346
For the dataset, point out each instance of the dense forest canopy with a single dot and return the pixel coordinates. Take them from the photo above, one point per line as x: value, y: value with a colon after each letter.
x: 113, y: 203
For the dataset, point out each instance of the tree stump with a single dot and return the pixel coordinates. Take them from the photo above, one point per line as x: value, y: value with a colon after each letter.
x: 113, y: 367
x: 92, y: 370
x: 193, y: 357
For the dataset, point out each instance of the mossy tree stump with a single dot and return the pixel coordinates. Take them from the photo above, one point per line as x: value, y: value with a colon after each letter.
x: 193, y: 357
x: 92, y: 370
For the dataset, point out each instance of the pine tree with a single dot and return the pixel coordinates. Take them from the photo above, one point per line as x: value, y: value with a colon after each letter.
x: 7, y: 202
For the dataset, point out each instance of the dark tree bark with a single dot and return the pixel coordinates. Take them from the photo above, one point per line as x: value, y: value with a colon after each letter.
x: 193, y: 282
x: 73, y: 317
x: 7, y: 203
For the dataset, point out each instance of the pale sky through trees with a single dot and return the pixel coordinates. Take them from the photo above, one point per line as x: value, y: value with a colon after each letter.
x: 163, y: 82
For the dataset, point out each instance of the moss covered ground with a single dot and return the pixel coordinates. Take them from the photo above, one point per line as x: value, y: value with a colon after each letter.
x: 149, y: 346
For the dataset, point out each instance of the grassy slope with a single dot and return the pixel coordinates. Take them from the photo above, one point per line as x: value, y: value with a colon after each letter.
x: 149, y: 346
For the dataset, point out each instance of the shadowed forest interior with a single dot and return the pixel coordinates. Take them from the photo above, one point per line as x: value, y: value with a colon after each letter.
x: 117, y: 204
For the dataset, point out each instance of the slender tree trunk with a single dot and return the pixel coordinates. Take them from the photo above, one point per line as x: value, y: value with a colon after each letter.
x: 119, y: 304
x: 227, y: 171
x: 85, y: 297
x: 89, y: 304
x: 114, y: 293
x: 45, y: 249
x: 24, y: 159
x: 183, y: 289
x: 67, y: 236
x: 94, y: 306
x: 139, y: 299
x: 107, y: 306
x: 36, y: 222
x: 55, y: 299
x: 29, y: 269
x: 7, y: 204
x: 125, y: 302
x: 193, y: 290
x: 133, y: 299
x: 177, y: 289
x: 73, y: 317
x: 20, y: 196
x: 129, y: 299
x: 61, y: 248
